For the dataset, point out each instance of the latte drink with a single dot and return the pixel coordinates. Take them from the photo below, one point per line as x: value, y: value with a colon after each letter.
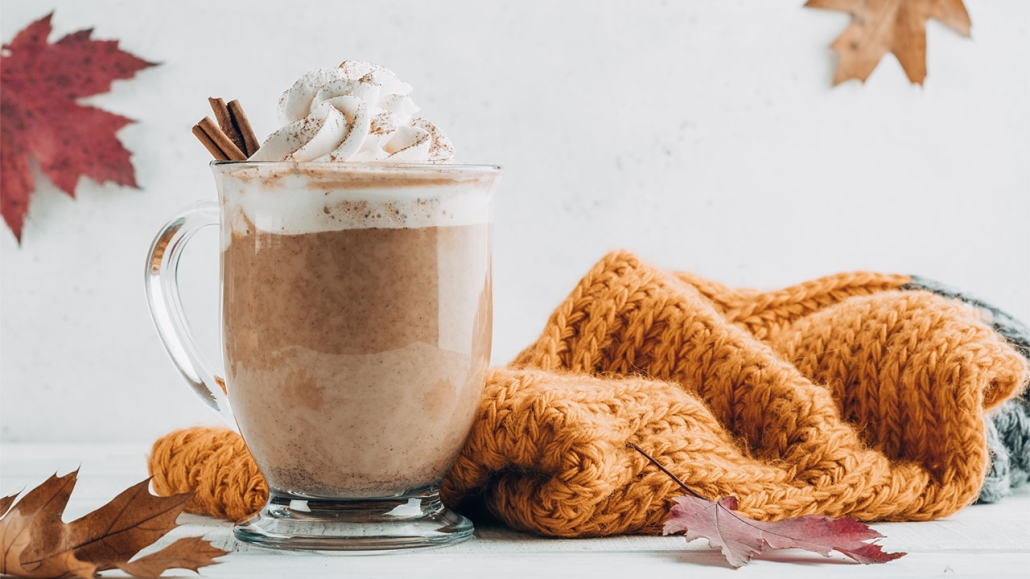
x: 357, y: 322
x: 356, y: 357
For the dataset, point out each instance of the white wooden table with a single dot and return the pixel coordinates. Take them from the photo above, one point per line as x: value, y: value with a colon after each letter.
x: 980, y: 541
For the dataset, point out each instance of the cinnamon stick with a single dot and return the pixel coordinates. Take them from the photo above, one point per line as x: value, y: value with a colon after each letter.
x: 209, y: 144
x: 242, y: 124
x: 228, y: 149
x: 225, y: 122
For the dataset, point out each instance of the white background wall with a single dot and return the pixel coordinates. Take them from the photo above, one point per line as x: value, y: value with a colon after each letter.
x: 703, y: 135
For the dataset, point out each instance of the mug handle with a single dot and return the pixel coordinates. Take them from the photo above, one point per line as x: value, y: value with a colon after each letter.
x: 162, y: 286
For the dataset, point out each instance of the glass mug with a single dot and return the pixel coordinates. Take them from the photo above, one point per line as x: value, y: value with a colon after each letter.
x: 356, y: 325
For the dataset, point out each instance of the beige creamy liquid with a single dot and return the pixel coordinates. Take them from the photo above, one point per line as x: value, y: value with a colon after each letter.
x: 356, y: 358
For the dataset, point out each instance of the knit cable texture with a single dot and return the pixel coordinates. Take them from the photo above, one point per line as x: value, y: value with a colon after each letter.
x: 1008, y: 427
x: 842, y: 396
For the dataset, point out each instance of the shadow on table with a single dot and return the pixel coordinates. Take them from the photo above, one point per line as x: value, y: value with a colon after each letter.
x: 715, y: 558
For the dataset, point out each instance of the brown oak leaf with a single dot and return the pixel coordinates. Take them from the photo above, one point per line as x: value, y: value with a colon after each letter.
x: 741, y: 538
x: 36, y: 543
x: 5, y: 503
x: 39, y: 114
x: 186, y: 553
x: 882, y: 26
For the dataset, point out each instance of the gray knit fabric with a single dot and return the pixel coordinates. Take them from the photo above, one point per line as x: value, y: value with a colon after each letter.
x: 1012, y: 423
x: 1008, y: 427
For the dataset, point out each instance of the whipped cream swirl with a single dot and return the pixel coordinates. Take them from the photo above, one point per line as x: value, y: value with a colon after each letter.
x: 357, y: 112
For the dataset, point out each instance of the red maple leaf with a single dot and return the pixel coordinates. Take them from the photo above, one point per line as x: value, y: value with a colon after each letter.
x: 39, y: 114
x: 741, y: 538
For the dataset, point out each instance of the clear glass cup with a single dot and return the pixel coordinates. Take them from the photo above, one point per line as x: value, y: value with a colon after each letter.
x: 356, y: 326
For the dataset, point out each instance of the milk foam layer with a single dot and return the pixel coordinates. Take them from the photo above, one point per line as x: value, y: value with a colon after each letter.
x: 357, y: 112
x: 275, y: 199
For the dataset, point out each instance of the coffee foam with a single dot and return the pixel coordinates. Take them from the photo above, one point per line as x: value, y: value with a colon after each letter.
x: 297, y: 202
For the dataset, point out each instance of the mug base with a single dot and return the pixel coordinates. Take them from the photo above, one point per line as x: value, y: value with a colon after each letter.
x: 410, y: 521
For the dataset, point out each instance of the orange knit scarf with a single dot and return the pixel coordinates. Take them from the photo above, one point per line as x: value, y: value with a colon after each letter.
x: 842, y: 396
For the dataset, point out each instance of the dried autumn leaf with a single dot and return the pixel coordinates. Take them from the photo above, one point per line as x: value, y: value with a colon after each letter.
x: 188, y: 553
x: 882, y: 26
x: 39, y: 114
x: 131, y: 521
x: 35, y: 542
x: 741, y: 538
x: 34, y: 524
x: 6, y: 502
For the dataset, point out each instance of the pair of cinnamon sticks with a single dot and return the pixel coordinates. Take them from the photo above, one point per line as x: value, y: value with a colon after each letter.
x: 231, y: 139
